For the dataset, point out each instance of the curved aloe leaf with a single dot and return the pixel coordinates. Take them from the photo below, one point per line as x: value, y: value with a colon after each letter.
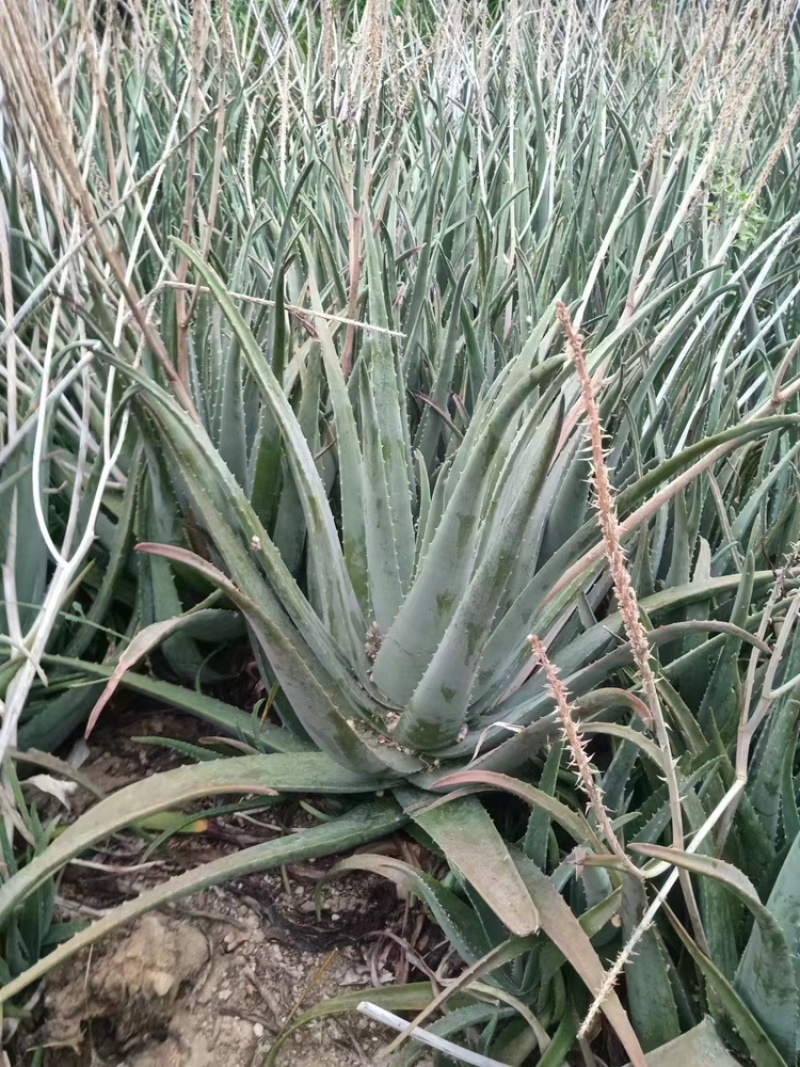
x: 233, y: 720
x: 323, y: 707
x: 365, y: 823
x: 438, y: 705
x: 241, y: 539
x: 759, y: 1046
x: 158, y: 597
x: 297, y: 772
x: 471, y: 842
x: 702, y: 1045
x: 769, y: 987
x: 575, y: 824
x: 387, y: 449
x: 351, y: 467
x: 565, y: 931
x: 413, y: 997
x: 416, y: 633
x: 756, y: 968
x: 647, y: 983
x: 537, y: 834
x: 341, y: 610
x: 142, y: 643
x: 387, y: 567
x: 430, y: 427
x: 778, y: 737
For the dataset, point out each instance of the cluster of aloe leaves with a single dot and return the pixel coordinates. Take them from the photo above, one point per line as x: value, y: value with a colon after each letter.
x: 355, y: 439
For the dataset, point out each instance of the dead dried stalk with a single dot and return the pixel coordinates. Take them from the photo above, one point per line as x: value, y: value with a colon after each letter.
x: 568, y: 714
x: 631, y: 617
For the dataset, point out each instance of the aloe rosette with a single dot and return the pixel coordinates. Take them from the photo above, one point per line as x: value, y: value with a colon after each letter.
x: 408, y: 655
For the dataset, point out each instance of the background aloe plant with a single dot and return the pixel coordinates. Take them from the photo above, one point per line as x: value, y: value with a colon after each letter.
x: 317, y: 268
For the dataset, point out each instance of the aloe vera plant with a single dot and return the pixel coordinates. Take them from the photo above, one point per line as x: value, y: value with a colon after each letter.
x: 379, y: 465
x: 334, y: 662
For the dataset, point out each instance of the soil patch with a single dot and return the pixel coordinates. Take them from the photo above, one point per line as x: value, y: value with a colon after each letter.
x: 194, y: 990
x: 219, y: 976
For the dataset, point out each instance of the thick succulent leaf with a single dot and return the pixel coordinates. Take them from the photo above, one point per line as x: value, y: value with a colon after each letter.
x: 290, y: 533
x: 756, y: 852
x: 723, y: 913
x: 694, y: 676
x: 677, y: 710
x: 236, y: 532
x: 654, y: 814
x: 437, y: 708
x: 232, y: 720
x: 341, y: 612
x: 682, y: 547
x: 718, y: 712
x: 428, y: 609
x: 30, y: 558
x: 562, y: 1043
x: 388, y: 581
x: 458, y: 921
x: 230, y: 434
x: 561, y: 925
x: 114, y: 571
x: 778, y: 737
x: 757, y: 967
x: 770, y: 989
x: 759, y: 1046
x: 647, y: 982
x: 324, y: 709
x: 431, y: 424
x: 618, y: 778
x: 760, y: 490
x: 352, y: 487
x: 430, y: 521
x: 309, y: 772
x: 387, y: 393
x: 614, y: 729
x: 469, y: 839
x: 367, y: 822
x: 702, y: 1045
x: 574, y: 823
x: 406, y: 998
x: 540, y: 822
x: 48, y: 723
x: 789, y: 808
x: 157, y: 590
x: 570, y: 502
x: 593, y: 922
x: 420, y: 295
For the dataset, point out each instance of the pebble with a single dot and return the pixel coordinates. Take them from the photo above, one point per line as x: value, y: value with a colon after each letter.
x: 258, y: 1029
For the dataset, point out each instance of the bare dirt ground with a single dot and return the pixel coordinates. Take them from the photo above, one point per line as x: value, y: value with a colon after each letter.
x: 220, y: 976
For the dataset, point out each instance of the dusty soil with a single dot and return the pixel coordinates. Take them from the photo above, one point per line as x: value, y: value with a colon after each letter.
x: 190, y: 992
x: 217, y: 978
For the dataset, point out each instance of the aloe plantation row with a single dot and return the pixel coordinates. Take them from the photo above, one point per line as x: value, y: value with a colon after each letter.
x: 293, y: 310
